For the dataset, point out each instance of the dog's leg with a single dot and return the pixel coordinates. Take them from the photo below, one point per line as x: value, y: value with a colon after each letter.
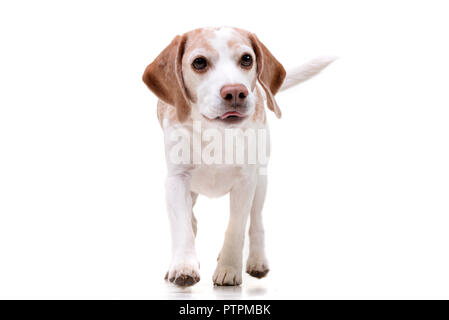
x: 257, y: 264
x: 229, y: 266
x: 184, y: 268
x: 194, y: 223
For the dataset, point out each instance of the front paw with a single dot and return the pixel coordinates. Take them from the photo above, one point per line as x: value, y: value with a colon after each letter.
x: 184, y: 272
x: 257, y: 266
x: 227, y: 275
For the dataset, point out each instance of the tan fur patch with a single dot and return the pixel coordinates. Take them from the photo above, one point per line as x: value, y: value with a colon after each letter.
x: 164, y: 77
x: 259, y: 112
x: 166, y: 112
x: 271, y: 73
x: 198, y: 38
x: 241, y: 37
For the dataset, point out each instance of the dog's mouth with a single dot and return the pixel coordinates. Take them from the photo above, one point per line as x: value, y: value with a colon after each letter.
x: 231, y: 116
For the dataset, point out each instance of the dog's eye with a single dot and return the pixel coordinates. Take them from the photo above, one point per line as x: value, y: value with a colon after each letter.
x: 199, y: 64
x: 246, y: 60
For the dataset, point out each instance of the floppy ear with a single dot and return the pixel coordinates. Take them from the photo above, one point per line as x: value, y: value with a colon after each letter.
x: 270, y: 73
x: 164, y: 77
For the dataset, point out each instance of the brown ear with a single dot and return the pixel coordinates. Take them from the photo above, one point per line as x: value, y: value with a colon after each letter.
x: 164, y: 77
x: 270, y: 73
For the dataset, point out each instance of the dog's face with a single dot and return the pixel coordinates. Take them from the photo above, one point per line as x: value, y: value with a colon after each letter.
x: 214, y: 73
x: 220, y: 72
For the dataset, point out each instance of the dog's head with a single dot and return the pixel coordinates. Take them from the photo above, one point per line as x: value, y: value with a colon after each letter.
x: 214, y: 73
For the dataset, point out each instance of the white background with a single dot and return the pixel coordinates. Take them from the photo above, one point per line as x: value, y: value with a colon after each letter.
x: 358, y: 201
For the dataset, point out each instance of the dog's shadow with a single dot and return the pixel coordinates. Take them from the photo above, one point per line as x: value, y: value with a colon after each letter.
x: 220, y: 292
x: 256, y: 291
x: 235, y: 292
x: 227, y: 292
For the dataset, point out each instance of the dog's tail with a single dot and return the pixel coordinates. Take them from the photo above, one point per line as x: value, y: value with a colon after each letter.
x: 306, y: 71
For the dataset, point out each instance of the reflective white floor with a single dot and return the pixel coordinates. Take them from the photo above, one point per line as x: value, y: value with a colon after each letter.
x: 250, y: 289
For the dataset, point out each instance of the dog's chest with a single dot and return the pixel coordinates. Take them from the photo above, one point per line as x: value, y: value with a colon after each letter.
x: 216, y: 181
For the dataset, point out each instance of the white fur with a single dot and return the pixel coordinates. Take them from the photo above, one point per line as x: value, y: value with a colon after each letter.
x: 244, y: 183
x: 306, y: 71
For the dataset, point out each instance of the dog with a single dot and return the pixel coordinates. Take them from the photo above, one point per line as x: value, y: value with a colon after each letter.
x: 218, y: 81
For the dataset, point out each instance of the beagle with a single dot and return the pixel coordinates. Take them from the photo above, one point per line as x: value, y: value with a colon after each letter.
x: 213, y: 85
